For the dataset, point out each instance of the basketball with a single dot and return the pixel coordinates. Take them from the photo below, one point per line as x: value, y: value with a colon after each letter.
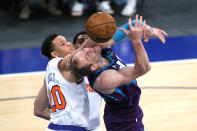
x: 101, y: 27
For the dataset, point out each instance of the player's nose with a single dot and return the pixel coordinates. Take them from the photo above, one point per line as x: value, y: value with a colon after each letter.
x: 69, y: 43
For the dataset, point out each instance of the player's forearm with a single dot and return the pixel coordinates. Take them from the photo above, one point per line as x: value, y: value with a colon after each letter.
x: 90, y: 43
x: 142, y: 64
x: 119, y: 35
x: 41, y: 104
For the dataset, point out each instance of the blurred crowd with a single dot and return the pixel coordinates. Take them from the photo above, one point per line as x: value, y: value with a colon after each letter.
x: 76, y: 7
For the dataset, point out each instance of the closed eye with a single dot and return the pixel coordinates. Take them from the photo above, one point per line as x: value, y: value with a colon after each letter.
x: 61, y: 43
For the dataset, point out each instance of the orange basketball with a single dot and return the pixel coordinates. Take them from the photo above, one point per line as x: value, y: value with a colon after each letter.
x: 101, y: 27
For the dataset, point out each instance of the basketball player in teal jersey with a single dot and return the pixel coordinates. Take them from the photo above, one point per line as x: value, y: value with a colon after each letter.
x: 114, y: 81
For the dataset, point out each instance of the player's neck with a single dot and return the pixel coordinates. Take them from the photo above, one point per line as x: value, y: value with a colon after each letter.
x: 69, y: 76
x: 103, y: 62
x: 66, y: 65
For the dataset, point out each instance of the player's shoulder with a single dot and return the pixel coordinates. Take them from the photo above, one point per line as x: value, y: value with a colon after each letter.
x: 53, y: 62
x: 103, y: 83
x: 105, y: 76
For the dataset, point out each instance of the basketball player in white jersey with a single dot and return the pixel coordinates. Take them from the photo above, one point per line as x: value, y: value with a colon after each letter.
x: 91, y: 109
x: 57, y: 96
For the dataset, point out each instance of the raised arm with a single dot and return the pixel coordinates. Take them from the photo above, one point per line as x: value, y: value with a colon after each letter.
x: 119, y: 35
x: 41, y: 104
x: 110, y: 79
x: 148, y: 32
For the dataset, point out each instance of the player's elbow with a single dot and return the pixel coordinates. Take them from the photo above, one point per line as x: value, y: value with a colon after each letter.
x: 146, y: 69
x: 37, y: 111
x: 143, y: 70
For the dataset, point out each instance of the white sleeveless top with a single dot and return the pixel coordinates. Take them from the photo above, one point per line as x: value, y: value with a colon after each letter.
x: 95, y: 102
x: 70, y: 102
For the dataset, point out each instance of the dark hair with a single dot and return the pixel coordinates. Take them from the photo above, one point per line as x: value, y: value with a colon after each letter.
x: 79, y: 72
x: 47, y: 46
x: 77, y: 35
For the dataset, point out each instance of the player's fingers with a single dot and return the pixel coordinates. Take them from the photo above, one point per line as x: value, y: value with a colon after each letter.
x: 144, y: 22
x: 145, y: 39
x: 144, y: 35
x: 144, y: 25
x: 136, y: 20
x: 130, y: 25
x: 140, y: 24
x: 161, y: 37
x: 125, y: 31
x: 163, y: 32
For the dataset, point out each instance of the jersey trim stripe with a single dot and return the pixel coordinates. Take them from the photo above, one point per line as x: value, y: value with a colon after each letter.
x: 65, y: 127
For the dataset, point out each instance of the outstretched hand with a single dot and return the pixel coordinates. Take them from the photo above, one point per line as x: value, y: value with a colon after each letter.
x: 149, y: 32
x: 135, y: 32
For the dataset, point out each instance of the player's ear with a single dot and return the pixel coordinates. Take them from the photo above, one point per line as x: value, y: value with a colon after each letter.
x: 93, y: 67
x: 54, y: 54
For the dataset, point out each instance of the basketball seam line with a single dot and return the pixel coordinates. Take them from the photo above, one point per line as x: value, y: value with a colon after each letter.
x: 92, y: 19
x: 101, y: 24
x: 97, y: 34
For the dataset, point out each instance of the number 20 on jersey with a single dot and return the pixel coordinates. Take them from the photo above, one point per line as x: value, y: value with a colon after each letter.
x: 57, y: 96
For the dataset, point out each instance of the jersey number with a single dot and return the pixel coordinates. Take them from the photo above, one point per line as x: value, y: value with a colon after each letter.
x: 58, y: 98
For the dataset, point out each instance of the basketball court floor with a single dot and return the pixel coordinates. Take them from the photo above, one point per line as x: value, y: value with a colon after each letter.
x: 169, y: 90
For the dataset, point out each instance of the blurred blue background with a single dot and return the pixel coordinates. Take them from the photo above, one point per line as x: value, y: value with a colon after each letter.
x: 20, y: 41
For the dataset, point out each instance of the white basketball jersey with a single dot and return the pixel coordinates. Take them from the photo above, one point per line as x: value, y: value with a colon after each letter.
x: 69, y: 101
x: 95, y: 102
